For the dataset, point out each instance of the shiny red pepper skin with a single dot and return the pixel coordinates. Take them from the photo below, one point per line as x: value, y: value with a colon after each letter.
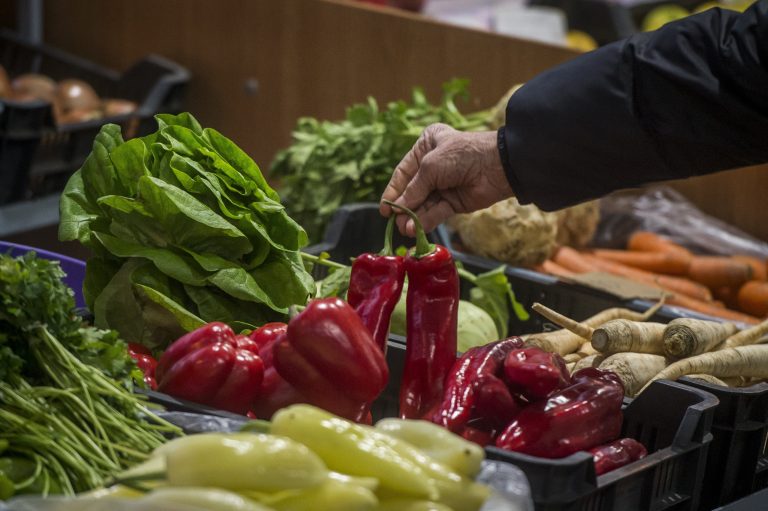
x: 145, y: 362
x: 535, y: 373
x: 266, y: 334
x: 330, y: 357
x: 462, y: 384
x: 617, y: 454
x: 432, y: 307
x: 214, y: 367
x: 375, y: 285
x: 579, y: 417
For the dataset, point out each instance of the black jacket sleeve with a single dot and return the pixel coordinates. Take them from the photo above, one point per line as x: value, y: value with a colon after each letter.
x: 688, y: 99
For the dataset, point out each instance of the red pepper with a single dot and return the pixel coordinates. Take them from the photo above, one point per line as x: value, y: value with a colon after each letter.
x: 579, y: 417
x: 617, y: 454
x: 481, y: 437
x: 431, y: 314
x: 477, y: 366
x: 375, y: 285
x: 535, y: 373
x: 145, y: 362
x: 214, y: 367
x: 330, y: 357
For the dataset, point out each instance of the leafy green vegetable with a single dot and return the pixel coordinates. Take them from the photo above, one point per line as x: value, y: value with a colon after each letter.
x: 493, y: 293
x: 68, y: 416
x: 185, y: 230
x: 330, y: 164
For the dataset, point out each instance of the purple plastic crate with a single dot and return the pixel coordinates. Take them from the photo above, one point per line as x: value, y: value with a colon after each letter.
x: 74, y: 268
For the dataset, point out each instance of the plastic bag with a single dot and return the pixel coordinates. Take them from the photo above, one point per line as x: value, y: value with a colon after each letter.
x: 662, y: 210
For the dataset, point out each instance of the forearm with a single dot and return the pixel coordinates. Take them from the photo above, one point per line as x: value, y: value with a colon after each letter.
x: 691, y: 98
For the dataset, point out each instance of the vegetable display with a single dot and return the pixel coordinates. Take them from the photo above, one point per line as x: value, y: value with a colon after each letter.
x: 185, y: 231
x: 68, y: 419
x: 330, y: 164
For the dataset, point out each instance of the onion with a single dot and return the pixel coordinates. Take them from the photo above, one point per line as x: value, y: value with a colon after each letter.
x: 35, y: 85
x: 112, y: 107
x: 5, y: 83
x: 74, y: 94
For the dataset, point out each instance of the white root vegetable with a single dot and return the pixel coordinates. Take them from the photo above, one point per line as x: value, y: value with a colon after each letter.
x: 709, y: 379
x: 635, y: 370
x: 753, y: 335
x: 572, y: 358
x: 746, y: 361
x: 621, y: 335
x: 589, y: 361
x: 686, y: 337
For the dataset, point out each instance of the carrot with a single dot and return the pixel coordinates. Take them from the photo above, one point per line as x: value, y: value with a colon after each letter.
x: 673, y: 284
x: 715, y: 271
x: 727, y: 295
x: 752, y: 298
x: 644, y: 241
x: 553, y: 268
x: 749, y: 361
x: 759, y: 269
x: 564, y: 342
x: 685, y: 337
x: 634, y: 370
x: 669, y: 263
x: 572, y: 260
x: 620, y: 335
x: 747, y: 336
x: 590, y: 361
x: 708, y: 309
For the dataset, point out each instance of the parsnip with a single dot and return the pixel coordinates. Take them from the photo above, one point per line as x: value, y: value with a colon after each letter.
x: 685, y: 337
x: 635, y: 370
x: 747, y: 336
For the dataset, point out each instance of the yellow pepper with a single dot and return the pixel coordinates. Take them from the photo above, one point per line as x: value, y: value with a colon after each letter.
x: 211, y: 499
x: 333, y: 494
x: 241, y: 462
x: 411, y: 505
x: 438, y: 443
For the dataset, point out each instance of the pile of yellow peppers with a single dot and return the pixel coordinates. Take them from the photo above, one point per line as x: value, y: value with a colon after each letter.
x: 312, y: 460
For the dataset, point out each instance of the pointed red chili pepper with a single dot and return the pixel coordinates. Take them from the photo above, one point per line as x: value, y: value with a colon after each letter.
x: 576, y: 418
x: 535, y: 373
x: 375, y: 285
x: 432, y: 307
x: 330, y: 357
x: 212, y: 366
x: 145, y: 362
x: 464, y: 384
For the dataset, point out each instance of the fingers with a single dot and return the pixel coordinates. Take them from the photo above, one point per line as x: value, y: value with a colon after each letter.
x: 410, y: 167
x: 433, y: 212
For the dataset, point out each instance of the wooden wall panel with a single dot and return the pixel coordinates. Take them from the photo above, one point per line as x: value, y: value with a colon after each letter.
x: 315, y: 57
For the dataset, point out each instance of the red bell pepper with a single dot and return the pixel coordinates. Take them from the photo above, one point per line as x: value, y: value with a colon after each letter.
x: 576, y: 418
x: 535, y: 373
x: 431, y: 314
x: 329, y: 356
x: 617, y: 454
x: 375, y: 285
x: 214, y: 367
x: 476, y: 375
x: 145, y: 362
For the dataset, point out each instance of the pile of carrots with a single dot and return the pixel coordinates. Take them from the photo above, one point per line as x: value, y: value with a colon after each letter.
x: 733, y: 288
x: 640, y: 352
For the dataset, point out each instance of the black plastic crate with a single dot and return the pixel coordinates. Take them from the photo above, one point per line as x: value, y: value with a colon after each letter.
x: 754, y: 502
x: 737, y: 464
x: 36, y: 155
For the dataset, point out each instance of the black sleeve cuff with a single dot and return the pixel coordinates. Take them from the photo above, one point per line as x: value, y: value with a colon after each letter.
x: 509, y: 172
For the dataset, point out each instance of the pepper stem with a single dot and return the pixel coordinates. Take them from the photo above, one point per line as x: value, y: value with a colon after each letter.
x: 387, y: 250
x: 423, y: 246
x: 257, y: 426
x: 321, y: 261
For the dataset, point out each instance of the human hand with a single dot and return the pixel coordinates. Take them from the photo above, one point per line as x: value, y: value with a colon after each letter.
x: 446, y: 172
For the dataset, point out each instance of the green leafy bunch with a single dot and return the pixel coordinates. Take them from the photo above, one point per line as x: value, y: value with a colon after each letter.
x: 185, y: 230
x: 335, y: 163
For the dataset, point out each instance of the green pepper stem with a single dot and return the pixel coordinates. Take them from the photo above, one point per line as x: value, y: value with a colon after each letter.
x: 466, y: 275
x: 423, y: 246
x: 387, y: 250
x: 321, y: 261
x: 257, y: 426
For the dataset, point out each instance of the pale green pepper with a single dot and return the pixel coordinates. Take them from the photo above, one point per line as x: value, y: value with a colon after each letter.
x: 211, y: 499
x: 241, y: 462
x: 332, y: 494
x: 411, y: 505
x: 461, y: 455
x: 363, y: 451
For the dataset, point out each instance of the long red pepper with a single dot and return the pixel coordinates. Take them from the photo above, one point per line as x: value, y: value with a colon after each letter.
x: 476, y: 375
x: 375, y: 286
x: 432, y: 307
x: 579, y: 417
